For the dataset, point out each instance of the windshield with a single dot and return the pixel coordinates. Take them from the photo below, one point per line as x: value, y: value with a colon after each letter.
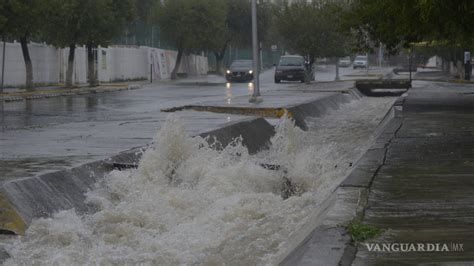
x: 361, y: 58
x: 242, y: 63
x: 291, y: 61
x: 347, y: 58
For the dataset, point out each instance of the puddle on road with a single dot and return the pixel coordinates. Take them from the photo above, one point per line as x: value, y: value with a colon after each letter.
x: 190, y: 204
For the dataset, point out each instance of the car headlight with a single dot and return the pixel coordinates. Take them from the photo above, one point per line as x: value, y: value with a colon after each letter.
x: 228, y: 71
x: 250, y: 71
x: 279, y: 71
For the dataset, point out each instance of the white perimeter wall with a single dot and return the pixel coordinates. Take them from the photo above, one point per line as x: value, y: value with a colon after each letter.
x: 114, y: 63
x: 44, y: 59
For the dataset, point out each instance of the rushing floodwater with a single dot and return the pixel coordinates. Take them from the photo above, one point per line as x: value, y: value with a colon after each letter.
x: 190, y: 204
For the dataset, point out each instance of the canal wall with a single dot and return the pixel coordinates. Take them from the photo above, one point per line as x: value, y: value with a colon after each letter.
x: 324, y: 240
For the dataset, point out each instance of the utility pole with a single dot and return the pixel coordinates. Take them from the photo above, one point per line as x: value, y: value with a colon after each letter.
x: 256, y: 71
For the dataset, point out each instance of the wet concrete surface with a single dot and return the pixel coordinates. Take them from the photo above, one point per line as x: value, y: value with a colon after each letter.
x: 423, y: 190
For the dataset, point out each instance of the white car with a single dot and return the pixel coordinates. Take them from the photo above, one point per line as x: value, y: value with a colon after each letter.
x: 360, y: 62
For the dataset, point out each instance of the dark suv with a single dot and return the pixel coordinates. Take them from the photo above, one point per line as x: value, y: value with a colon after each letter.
x: 240, y: 70
x: 290, y: 67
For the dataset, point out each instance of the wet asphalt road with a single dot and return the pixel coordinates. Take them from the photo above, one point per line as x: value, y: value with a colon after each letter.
x: 45, y: 135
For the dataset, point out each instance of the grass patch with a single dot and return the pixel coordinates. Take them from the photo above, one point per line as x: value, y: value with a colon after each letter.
x: 361, y: 232
x: 129, y: 79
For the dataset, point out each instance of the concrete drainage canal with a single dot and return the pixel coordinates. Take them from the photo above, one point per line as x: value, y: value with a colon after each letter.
x: 234, y: 195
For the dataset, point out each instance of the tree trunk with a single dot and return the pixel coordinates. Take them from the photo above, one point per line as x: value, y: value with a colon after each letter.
x: 309, y: 69
x: 410, y: 62
x: 452, y: 68
x: 70, y: 65
x: 220, y: 57
x: 460, y: 69
x: 218, y: 63
x: 28, y: 64
x: 445, y: 64
x: 174, y: 73
x: 91, y: 65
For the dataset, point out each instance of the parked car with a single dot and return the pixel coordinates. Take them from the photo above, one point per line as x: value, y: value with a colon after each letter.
x: 240, y: 70
x: 290, y: 67
x: 360, y: 62
x: 345, y: 61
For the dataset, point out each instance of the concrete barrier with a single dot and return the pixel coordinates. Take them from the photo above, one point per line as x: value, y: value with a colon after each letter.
x: 315, y: 108
x: 255, y: 132
x: 43, y: 195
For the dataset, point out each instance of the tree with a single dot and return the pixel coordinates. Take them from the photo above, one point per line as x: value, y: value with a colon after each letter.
x: 62, y: 27
x: 235, y: 22
x: 102, y: 20
x: 447, y: 20
x: 390, y: 22
x: 312, y: 30
x: 3, y: 19
x: 190, y: 24
x: 143, y: 8
x: 238, y: 27
x: 20, y: 20
x: 404, y: 23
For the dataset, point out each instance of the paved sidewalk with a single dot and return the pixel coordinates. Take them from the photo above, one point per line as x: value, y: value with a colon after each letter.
x: 423, y: 189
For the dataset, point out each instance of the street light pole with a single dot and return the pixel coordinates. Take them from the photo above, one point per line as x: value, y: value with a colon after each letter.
x: 256, y: 71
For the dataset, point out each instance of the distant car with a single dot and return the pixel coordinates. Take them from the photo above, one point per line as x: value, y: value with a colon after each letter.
x: 345, y: 61
x: 240, y: 70
x: 290, y: 67
x: 360, y: 62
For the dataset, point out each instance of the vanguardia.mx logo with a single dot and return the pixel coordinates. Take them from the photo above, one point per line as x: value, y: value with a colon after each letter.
x: 414, y: 247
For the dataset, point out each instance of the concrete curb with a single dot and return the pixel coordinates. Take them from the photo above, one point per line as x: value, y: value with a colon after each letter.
x: 299, y: 112
x: 41, y: 196
x: 315, y: 108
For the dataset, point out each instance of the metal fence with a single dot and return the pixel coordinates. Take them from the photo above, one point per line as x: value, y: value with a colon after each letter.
x: 141, y: 33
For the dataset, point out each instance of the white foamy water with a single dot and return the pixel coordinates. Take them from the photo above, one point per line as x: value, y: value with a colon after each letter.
x: 190, y: 204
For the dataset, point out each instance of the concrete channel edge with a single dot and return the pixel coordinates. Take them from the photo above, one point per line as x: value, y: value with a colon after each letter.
x: 351, y: 197
x: 22, y: 200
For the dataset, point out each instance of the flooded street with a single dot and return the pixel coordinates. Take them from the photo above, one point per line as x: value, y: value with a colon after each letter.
x: 190, y: 204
